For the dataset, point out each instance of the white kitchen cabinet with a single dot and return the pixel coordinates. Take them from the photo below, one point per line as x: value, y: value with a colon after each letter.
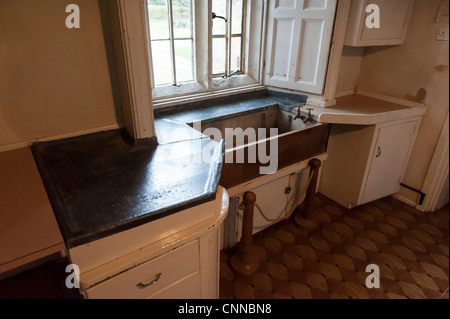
x: 394, y: 18
x: 366, y: 163
x: 277, y: 198
x: 182, y: 264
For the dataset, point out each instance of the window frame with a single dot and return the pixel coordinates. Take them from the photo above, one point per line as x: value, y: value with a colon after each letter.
x: 172, y: 38
x: 205, y: 84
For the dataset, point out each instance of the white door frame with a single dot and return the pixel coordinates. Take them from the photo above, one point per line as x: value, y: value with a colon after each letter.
x: 437, y: 171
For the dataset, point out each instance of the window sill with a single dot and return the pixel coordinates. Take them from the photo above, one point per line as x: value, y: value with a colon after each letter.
x: 194, y: 92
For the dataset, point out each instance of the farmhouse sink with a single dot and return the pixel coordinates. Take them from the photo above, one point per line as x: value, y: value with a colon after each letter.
x: 293, y: 140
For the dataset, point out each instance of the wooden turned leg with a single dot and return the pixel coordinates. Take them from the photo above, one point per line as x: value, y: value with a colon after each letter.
x: 303, y: 217
x: 244, y: 261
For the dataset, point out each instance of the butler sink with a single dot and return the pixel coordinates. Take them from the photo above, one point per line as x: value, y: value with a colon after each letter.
x: 271, y: 129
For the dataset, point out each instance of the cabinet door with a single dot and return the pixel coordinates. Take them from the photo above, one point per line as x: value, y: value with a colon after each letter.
x: 389, y: 161
x: 299, y: 35
x: 272, y: 199
x: 394, y: 18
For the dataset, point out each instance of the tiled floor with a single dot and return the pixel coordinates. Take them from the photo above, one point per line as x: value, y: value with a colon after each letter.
x: 411, y: 249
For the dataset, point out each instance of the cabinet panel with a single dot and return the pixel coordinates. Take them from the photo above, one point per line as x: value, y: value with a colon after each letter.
x: 394, y: 18
x: 151, y: 277
x: 393, y: 15
x: 272, y: 199
x: 389, y: 161
x: 299, y: 35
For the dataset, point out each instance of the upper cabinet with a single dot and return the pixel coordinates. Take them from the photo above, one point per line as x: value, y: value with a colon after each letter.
x: 298, y: 43
x: 393, y: 17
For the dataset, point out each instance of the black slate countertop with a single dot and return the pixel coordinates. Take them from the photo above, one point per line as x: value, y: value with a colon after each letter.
x: 99, y: 184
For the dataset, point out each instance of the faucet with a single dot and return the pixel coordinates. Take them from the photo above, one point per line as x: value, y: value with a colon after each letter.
x: 308, y: 118
x: 298, y: 116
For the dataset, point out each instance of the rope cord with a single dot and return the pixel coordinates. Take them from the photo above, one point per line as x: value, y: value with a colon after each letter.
x: 276, y: 220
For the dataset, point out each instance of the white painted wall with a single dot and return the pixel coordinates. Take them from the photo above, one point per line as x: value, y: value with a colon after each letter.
x: 53, y: 80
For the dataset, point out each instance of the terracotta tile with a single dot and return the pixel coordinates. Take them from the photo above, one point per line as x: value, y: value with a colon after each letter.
x: 431, y: 229
x: 414, y: 244
x: 405, y: 216
x: 388, y: 229
x: 306, y: 252
x: 403, y: 252
x: 424, y: 281
x: 373, y: 210
x: 366, y: 244
x: 329, y: 270
x: 272, y: 244
x: 396, y: 222
x: 444, y: 249
x: 412, y: 291
x: 383, y: 204
x: 434, y: 271
x: 310, y: 265
x: 343, y: 261
x: 357, y: 291
x: 425, y: 238
x: 365, y: 217
x: 356, y: 252
x: 262, y: 281
x: 395, y: 296
x: 319, y: 243
x: 353, y: 223
x: 410, y: 247
x: 285, y: 236
x: 343, y: 230
x: 243, y: 290
x: 393, y: 261
x: 317, y: 281
x: 333, y: 210
x: 440, y: 260
x: 292, y: 261
x: 300, y: 291
x: 277, y: 270
x: 332, y: 236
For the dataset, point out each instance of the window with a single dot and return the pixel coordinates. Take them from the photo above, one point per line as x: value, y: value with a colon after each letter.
x: 228, y: 23
x: 172, y: 42
x: 203, y: 47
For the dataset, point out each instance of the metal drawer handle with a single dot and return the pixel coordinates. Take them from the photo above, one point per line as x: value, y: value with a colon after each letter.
x: 142, y: 285
x: 378, y: 152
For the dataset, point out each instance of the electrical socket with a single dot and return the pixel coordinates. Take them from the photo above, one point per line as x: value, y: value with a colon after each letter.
x: 442, y: 34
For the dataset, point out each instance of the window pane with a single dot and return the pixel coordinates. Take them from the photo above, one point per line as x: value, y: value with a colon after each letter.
x: 162, y: 69
x: 219, y: 7
x: 182, y: 18
x: 159, y: 19
x: 236, y: 27
x: 235, y: 54
x: 183, y: 60
x: 219, y: 56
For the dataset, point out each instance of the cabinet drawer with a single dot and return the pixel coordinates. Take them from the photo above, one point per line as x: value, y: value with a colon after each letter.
x: 149, y: 278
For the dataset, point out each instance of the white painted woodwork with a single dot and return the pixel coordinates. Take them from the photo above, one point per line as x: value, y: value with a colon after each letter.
x: 298, y: 43
x: 129, y: 24
x: 367, y: 162
x: 337, y: 45
x: 437, y: 172
x: 271, y: 197
x: 389, y: 160
x: 365, y: 108
x: 394, y: 19
x: 171, y: 267
x: 187, y: 256
x: 28, y: 227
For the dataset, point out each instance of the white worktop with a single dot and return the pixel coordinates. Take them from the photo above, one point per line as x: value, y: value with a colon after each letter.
x: 368, y: 109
